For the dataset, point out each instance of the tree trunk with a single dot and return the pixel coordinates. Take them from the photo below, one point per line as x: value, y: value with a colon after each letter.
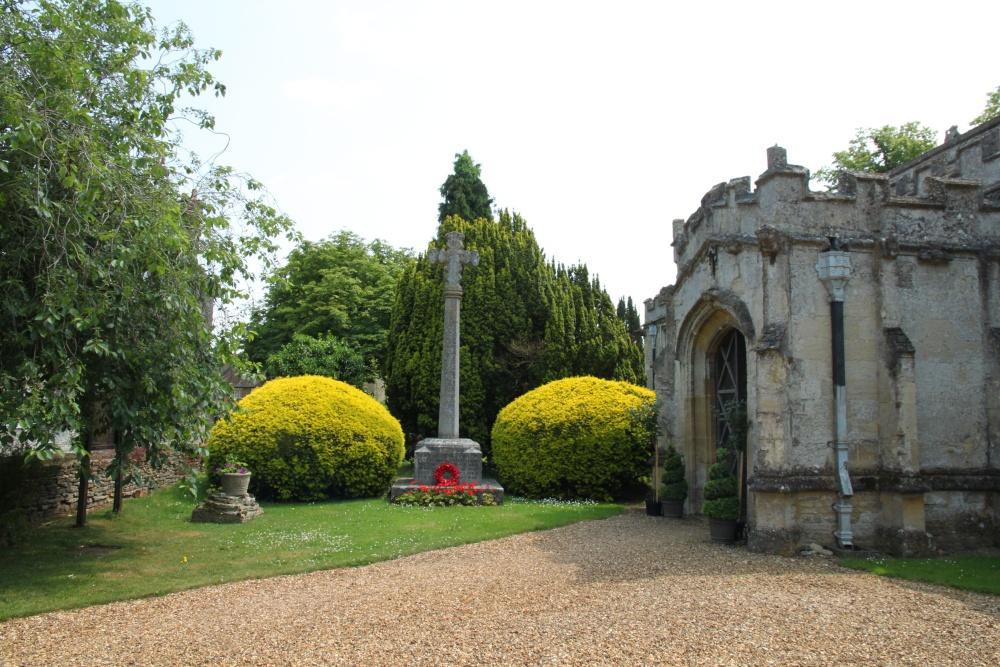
x: 116, y: 506
x: 82, y: 490
x: 81, y: 496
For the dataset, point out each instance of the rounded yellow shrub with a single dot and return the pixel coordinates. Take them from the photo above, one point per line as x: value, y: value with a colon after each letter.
x: 310, y: 437
x: 572, y: 438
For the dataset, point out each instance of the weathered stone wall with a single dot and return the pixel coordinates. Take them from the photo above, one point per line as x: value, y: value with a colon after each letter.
x: 973, y: 155
x: 51, y: 488
x: 922, y: 341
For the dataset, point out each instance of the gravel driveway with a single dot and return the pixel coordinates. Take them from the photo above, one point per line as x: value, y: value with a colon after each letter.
x: 631, y: 590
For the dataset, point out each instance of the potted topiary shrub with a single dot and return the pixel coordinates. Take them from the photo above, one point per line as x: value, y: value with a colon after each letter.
x: 646, y: 427
x: 722, y: 501
x: 675, y: 488
x: 653, y: 505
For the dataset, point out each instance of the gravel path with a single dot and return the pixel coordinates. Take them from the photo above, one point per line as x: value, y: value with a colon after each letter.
x: 632, y: 590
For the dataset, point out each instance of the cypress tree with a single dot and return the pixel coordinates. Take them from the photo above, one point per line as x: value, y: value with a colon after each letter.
x: 464, y: 192
x: 525, y: 322
x: 628, y: 314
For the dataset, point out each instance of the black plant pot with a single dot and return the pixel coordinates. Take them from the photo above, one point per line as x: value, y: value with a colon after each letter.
x: 723, y: 531
x: 653, y: 507
x: 673, y: 509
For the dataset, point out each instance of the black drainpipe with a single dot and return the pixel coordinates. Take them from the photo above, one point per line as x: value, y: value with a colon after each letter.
x: 834, y: 268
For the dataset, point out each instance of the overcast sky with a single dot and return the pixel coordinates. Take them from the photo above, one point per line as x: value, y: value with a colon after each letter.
x: 598, y: 122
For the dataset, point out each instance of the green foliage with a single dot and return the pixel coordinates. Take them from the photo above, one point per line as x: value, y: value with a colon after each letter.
x: 720, y: 488
x: 524, y: 322
x: 734, y: 415
x: 628, y: 314
x: 113, y: 247
x: 879, y: 150
x: 724, y: 509
x: 992, y: 109
x: 325, y: 355
x: 310, y: 437
x: 464, y: 192
x: 645, y: 421
x: 573, y: 438
x: 340, y: 287
x: 718, y: 470
x: 674, y: 491
x: 232, y: 466
x: 155, y: 535
x: 675, y: 485
x: 13, y: 527
x: 722, y: 497
x: 673, y: 468
x: 21, y: 484
x: 969, y: 573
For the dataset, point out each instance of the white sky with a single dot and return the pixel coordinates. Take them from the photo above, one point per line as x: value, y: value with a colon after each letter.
x: 598, y: 122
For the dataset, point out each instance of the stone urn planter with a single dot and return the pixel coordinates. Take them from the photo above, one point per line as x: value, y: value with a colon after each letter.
x: 235, y: 484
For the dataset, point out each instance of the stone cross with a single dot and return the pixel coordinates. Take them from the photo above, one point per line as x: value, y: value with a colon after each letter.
x: 454, y: 258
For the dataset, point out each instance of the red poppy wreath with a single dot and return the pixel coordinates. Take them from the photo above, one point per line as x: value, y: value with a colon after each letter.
x: 446, y: 474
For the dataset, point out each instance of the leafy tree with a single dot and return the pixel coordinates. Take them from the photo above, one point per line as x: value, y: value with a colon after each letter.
x: 325, y: 355
x: 341, y: 287
x: 879, y: 150
x: 108, y: 271
x: 525, y: 322
x: 464, y: 193
x: 992, y: 109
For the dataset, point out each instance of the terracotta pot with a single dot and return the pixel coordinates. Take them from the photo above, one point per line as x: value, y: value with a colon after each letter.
x: 723, y: 531
x: 673, y: 509
x: 235, y: 484
x: 653, y: 507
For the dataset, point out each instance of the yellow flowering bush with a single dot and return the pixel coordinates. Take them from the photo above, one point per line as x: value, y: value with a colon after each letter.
x: 573, y: 438
x: 311, y: 437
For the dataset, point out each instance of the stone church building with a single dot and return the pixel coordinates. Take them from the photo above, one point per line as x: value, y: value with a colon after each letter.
x: 861, y: 329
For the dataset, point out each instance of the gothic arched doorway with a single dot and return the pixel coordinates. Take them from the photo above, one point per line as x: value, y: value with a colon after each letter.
x: 730, y: 383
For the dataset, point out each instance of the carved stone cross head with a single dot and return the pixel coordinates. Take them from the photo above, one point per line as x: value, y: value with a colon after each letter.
x: 454, y: 258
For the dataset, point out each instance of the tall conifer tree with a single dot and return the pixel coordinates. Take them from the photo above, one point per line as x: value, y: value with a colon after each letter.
x: 525, y: 322
x: 464, y: 192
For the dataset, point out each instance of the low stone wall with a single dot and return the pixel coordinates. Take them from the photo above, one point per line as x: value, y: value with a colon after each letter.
x: 48, y: 489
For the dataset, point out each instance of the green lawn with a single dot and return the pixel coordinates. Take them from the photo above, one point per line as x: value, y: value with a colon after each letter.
x: 153, y: 549
x: 970, y: 573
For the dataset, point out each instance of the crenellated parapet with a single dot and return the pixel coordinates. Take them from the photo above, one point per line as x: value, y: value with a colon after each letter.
x: 973, y: 156
x: 947, y: 212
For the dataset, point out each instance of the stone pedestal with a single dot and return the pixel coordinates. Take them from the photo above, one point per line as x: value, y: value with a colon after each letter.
x: 223, y: 508
x: 465, y: 454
